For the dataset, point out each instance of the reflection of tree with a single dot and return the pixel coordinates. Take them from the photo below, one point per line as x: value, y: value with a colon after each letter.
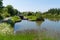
x: 32, y: 31
x: 39, y: 23
x: 54, y: 19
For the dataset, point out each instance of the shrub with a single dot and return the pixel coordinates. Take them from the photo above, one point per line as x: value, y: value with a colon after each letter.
x: 5, y: 28
x: 13, y: 20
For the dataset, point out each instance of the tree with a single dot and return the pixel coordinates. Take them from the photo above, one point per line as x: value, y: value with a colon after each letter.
x: 24, y: 13
x: 54, y: 11
x: 1, y: 16
x: 10, y: 10
x: 5, y: 12
x: 1, y: 6
x: 38, y: 14
x: 29, y: 13
x: 16, y: 12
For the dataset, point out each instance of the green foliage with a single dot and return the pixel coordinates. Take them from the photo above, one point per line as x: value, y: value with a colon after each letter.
x: 10, y: 9
x: 5, y: 10
x: 40, y: 18
x: 5, y: 28
x: 15, y: 18
x: 18, y: 37
x: 24, y: 13
x: 1, y: 17
x: 15, y: 12
x: 29, y: 13
x: 54, y: 11
x: 38, y: 14
x: 27, y: 36
x: 32, y: 18
x: 5, y: 15
x: 35, y: 18
x: 1, y: 4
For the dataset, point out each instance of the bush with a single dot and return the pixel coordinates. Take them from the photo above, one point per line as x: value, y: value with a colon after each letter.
x: 13, y: 20
x: 32, y: 18
x: 5, y: 28
x: 4, y: 15
x: 35, y: 18
x: 40, y: 18
x: 1, y: 17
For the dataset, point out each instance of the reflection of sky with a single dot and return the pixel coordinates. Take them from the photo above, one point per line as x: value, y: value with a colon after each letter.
x: 51, y: 25
x: 50, y: 28
x: 25, y: 25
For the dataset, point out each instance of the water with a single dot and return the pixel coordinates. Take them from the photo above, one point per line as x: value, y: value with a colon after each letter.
x: 48, y: 28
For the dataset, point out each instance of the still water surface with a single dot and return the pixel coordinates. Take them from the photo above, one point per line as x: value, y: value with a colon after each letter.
x: 47, y: 27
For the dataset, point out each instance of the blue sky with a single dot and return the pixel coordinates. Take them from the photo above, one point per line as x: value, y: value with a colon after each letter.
x: 33, y: 5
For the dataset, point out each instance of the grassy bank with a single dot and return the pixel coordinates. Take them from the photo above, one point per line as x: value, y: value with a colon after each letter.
x: 50, y: 16
x: 13, y: 20
x: 27, y: 36
x: 17, y: 37
x: 5, y: 28
x: 35, y: 18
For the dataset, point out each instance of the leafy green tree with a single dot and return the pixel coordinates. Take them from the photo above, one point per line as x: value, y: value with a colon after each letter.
x: 16, y: 12
x: 29, y: 13
x: 10, y: 10
x: 24, y: 13
x: 1, y: 16
x: 54, y: 11
x: 1, y: 6
x: 38, y: 14
x: 1, y: 3
x: 5, y: 13
x: 58, y: 11
x: 5, y: 10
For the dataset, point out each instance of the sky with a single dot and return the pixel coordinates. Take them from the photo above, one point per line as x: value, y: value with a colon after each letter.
x: 32, y: 5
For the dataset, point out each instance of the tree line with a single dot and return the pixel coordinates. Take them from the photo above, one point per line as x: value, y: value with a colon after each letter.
x: 7, y: 11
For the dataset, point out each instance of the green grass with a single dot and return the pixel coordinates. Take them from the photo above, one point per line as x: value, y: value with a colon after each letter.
x: 5, y: 28
x: 51, y: 16
x: 7, y: 34
x: 33, y: 18
x: 15, y: 18
x: 25, y: 37
x: 18, y: 37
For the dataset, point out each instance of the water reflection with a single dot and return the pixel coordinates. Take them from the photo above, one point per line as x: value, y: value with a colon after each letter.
x: 38, y: 23
x: 54, y: 19
x: 27, y: 25
x: 47, y: 28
